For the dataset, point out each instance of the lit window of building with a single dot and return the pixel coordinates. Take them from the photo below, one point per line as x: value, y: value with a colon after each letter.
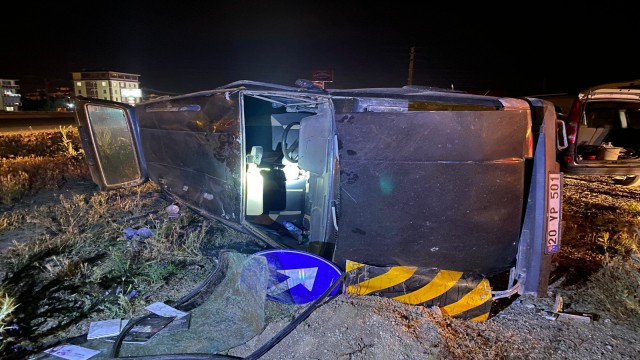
x: 9, y: 96
x: 97, y: 84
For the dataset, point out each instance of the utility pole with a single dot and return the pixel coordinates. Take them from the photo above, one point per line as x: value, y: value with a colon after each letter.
x: 411, y: 58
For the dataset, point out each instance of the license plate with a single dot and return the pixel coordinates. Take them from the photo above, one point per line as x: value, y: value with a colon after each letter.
x: 554, y: 212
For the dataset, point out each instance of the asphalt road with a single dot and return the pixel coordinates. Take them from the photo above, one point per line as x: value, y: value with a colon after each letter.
x: 21, y: 121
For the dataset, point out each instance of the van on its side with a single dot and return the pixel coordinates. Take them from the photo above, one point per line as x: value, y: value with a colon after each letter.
x: 409, y: 177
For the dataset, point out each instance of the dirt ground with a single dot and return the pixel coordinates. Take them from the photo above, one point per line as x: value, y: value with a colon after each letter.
x: 371, y: 327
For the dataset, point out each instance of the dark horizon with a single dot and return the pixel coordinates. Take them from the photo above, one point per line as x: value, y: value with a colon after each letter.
x: 482, y: 49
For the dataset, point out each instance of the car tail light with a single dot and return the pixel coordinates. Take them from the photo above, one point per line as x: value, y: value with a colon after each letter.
x: 573, y: 120
x: 568, y: 159
x: 519, y: 104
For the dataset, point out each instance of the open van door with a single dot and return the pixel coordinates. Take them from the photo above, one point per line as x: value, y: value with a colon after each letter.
x: 190, y: 146
x: 111, y: 141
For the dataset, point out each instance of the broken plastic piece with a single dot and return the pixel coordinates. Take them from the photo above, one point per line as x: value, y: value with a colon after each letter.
x: 559, y: 304
x: 130, y: 233
x: 173, y: 211
x: 570, y: 315
x: 294, y: 230
x: 144, y: 232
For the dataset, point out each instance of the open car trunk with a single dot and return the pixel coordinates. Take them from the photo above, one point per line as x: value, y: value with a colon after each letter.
x: 609, y: 133
x: 601, y: 135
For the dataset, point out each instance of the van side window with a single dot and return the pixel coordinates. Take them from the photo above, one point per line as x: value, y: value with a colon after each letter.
x: 602, y: 118
x: 603, y: 114
x: 633, y: 118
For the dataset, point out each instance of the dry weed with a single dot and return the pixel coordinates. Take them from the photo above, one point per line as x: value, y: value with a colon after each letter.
x: 7, y: 306
x: 194, y: 240
x: 32, y: 161
x: 70, y: 141
x: 81, y: 265
x: 12, y: 219
x: 14, y: 185
x: 35, y: 143
x: 614, y: 289
x: 624, y: 242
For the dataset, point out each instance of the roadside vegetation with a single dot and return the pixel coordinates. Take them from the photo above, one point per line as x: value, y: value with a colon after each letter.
x: 85, y: 255
x: 599, y: 264
x: 36, y: 160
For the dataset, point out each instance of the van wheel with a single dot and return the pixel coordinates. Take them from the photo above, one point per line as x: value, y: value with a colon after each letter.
x: 627, y: 180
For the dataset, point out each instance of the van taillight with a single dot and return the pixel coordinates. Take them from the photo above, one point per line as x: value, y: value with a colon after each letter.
x: 573, y: 120
x: 568, y: 159
x: 528, y: 144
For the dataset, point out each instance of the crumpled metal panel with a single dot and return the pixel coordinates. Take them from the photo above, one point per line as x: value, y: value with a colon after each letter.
x: 193, y: 149
x: 441, y: 189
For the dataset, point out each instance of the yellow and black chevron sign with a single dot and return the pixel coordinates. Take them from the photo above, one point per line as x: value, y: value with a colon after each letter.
x: 461, y: 295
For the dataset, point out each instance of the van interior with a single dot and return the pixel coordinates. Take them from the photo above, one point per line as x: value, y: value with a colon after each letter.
x: 288, y: 174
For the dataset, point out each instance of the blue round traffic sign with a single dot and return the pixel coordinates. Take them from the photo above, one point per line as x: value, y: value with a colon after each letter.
x: 298, y: 277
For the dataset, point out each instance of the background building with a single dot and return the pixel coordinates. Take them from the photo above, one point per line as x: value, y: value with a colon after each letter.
x: 59, y: 99
x: 108, y: 85
x: 10, y: 99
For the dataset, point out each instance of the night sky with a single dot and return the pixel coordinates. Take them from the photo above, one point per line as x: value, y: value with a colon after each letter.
x: 178, y: 47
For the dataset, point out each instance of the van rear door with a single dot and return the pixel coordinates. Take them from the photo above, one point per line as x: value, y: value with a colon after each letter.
x: 111, y: 141
x: 191, y: 146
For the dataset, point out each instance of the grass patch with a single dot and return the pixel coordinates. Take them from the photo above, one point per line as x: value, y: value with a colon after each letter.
x: 614, y: 289
x: 634, y: 207
x: 79, y: 266
x: 84, y: 265
x: 7, y: 307
x: 12, y: 219
x: 622, y: 242
x: 618, y: 231
x: 33, y: 161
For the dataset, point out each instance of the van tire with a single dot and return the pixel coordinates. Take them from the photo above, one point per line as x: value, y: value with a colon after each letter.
x: 627, y: 180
